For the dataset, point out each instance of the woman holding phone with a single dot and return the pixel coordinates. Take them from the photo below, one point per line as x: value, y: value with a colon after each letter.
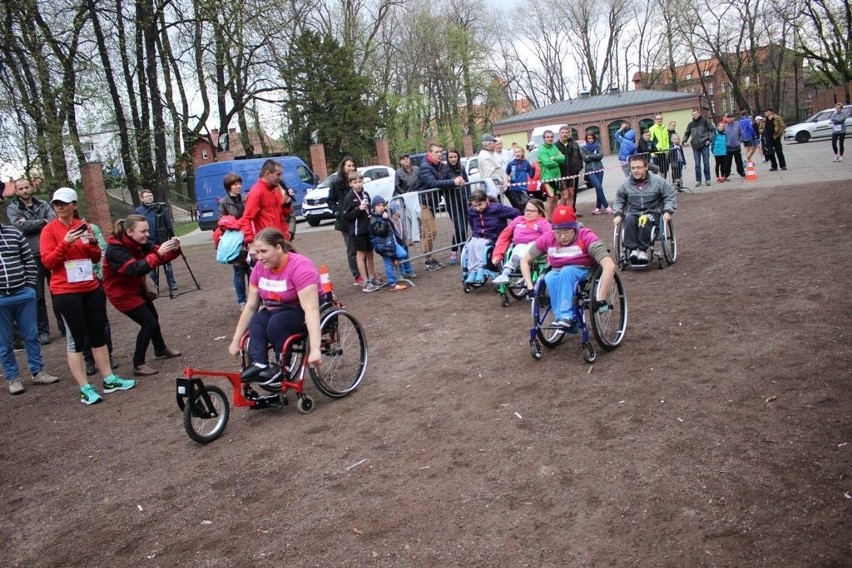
x: 130, y: 257
x: 69, y: 252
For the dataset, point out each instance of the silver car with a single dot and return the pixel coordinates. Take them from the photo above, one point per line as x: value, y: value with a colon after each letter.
x: 815, y: 127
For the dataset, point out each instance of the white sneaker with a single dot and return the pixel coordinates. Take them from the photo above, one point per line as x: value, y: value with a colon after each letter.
x: 633, y: 255
x: 836, y: 158
x: 502, y: 279
x: 642, y: 256
x: 43, y: 378
x: 840, y: 158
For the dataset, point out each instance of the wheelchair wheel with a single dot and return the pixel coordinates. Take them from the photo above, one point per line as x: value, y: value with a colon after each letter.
x: 292, y: 360
x: 206, y: 414
x: 516, y: 287
x: 608, y: 327
x: 618, y: 246
x: 668, y: 242
x: 344, y: 354
x: 543, y: 317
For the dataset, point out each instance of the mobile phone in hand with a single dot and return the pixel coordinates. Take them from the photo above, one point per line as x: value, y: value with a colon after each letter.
x: 82, y: 228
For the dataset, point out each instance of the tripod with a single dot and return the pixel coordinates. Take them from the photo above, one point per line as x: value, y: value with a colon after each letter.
x: 164, y: 232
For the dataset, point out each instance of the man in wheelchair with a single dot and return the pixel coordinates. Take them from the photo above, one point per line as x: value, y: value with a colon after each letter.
x: 571, y: 251
x: 639, y: 202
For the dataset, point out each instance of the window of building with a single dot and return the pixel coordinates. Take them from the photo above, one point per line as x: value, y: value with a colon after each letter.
x: 747, y: 81
x: 724, y: 105
x: 706, y: 73
x: 722, y: 86
x: 204, y: 154
x: 710, y: 89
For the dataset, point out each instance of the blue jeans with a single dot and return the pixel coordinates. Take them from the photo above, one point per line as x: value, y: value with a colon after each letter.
x: 561, y: 287
x: 19, y: 307
x: 699, y: 154
x: 596, y: 180
x: 405, y: 266
x: 170, y: 276
x: 241, y: 273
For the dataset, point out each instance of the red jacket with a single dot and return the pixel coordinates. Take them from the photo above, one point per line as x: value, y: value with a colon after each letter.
x: 265, y: 207
x: 127, y: 264
x: 55, y: 252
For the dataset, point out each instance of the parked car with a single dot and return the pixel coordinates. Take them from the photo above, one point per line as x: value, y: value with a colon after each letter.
x: 815, y: 127
x: 378, y: 180
x: 209, y: 189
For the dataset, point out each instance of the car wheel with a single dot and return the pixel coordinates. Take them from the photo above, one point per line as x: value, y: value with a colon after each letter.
x: 313, y: 221
x: 803, y: 136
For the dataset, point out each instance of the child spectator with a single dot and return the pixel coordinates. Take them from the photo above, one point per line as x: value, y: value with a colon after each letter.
x: 719, y: 147
x: 520, y: 172
x: 487, y: 219
x: 356, y: 211
x: 678, y: 161
x: 388, y: 244
x: 521, y: 231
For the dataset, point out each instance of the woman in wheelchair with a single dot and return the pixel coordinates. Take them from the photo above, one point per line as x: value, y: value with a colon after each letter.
x: 571, y: 251
x: 283, y: 300
x: 487, y: 219
x: 522, y: 232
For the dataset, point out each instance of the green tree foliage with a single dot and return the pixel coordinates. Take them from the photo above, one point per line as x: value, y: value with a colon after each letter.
x: 326, y: 94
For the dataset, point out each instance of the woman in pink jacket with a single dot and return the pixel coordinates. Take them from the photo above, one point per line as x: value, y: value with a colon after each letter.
x: 522, y: 231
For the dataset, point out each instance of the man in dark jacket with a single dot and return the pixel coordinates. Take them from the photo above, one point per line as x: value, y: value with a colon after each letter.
x: 29, y: 215
x: 434, y: 174
x: 572, y: 166
x: 160, y: 230
x: 700, y: 130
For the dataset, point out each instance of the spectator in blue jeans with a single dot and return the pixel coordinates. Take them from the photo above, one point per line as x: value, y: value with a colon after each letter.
x: 234, y: 204
x: 700, y: 130
x: 388, y: 244
x: 18, y: 304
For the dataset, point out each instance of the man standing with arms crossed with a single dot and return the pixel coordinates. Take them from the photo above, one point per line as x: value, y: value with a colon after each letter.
x: 29, y: 215
x: 700, y: 130
x: 572, y: 166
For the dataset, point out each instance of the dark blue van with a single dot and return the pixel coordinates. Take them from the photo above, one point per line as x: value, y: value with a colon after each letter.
x: 209, y: 189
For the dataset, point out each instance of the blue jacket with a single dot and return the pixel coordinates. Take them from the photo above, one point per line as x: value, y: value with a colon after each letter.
x: 431, y: 176
x: 627, y: 144
x: 592, y: 155
x: 734, y: 135
x: 152, y: 212
x: 489, y: 223
x: 747, y: 127
x: 383, y: 237
x: 719, y: 144
x: 520, y: 171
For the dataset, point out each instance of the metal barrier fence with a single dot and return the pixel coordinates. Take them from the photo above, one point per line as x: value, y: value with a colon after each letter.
x: 435, y: 220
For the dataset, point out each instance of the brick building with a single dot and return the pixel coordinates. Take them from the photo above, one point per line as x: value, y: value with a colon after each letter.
x: 205, y: 150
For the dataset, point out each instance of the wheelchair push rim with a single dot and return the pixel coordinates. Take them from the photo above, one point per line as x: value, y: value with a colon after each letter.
x: 344, y: 354
x: 610, y: 326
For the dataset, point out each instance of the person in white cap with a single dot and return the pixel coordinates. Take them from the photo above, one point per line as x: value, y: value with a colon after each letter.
x: 69, y: 252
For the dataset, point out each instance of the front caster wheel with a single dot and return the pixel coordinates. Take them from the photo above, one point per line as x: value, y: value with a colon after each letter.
x: 206, y: 414
x: 589, y: 353
x: 535, y: 350
x: 304, y: 404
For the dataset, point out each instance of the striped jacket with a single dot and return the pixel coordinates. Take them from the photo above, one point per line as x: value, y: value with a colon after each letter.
x: 17, y: 267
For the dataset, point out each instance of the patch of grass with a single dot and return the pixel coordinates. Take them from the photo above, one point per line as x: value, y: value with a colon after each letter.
x: 185, y: 228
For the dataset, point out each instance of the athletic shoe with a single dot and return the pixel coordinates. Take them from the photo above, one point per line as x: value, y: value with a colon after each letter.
x: 719, y: 179
x: 88, y: 395
x: 251, y: 373
x: 564, y: 323
x: 113, y: 364
x: 596, y: 211
x: 398, y: 287
x: 91, y: 369
x: 370, y: 287
x: 840, y: 159
x: 44, y: 338
x: 16, y: 386
x: 359, y: 281
x: 773, y: 169
x: 471, y: 277
x: 699, y: 184
x: 379, y: 283
x: 835, y: 159
x: 432, y: 265
x: 502, y: 279
x: 707, y: 183
x: 633, y: 256
x: 784, y: 168
x: 453, y: 259
x: 480, y: 277
x: 42, y: 378
x: 270, y: 376
x: 642, y: 256
x: 411, y: 275
x: 610, y: 211
x: 115, y: 383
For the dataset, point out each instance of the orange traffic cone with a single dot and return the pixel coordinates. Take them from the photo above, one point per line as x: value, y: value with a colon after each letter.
x: 750, y: 173
x: 325, y: 282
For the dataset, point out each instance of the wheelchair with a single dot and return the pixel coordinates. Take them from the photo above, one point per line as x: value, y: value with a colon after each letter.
x: 608, y: 327
x: 516, y: 288
x: 663, y: 248
x: 490, y: 270
x: 343, y: 345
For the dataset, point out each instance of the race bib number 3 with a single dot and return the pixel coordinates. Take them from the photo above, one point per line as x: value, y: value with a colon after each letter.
x: 79, y: 270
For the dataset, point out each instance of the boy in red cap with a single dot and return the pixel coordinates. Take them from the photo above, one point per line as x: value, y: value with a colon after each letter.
x: 571, y: 251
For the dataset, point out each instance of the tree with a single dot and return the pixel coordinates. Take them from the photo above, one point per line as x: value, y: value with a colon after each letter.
x: 827, y: 40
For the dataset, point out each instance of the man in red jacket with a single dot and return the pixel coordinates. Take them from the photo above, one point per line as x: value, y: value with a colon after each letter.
x: 267, y: 204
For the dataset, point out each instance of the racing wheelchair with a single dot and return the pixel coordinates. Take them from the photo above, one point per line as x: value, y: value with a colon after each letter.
x: 343, y: 345
x: 608, y: 326
x: 663, y: 249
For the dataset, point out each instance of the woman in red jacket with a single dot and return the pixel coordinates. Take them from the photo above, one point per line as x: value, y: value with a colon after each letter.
x: 69, y: 251
x: 130, y: 256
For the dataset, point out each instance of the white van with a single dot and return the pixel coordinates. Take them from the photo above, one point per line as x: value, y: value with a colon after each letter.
x: 538, y: 132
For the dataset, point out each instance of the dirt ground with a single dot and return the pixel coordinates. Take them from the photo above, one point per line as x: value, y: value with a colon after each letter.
x: 717, y: 435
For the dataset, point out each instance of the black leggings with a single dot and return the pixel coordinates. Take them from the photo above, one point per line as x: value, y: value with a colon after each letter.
x: 149, y: 331
x: 83, y: 313
x: 835, y: 138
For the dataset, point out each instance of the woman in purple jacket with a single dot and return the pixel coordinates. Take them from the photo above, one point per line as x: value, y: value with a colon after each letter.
x: 487, y: 220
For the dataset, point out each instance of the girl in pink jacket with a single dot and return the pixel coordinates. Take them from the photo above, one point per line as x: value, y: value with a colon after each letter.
x: 522, y: 231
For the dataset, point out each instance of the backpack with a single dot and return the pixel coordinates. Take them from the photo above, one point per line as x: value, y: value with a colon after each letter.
x: 229, y: 245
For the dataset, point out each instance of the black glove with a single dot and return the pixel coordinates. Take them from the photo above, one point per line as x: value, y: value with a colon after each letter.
x: 603, y: 307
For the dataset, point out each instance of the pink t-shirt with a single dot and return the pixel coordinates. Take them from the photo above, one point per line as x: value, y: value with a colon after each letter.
x: 283, y: 287
x: 575, y: 254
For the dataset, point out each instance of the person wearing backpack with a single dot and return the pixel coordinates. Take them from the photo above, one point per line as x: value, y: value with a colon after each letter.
x: 233, y: 205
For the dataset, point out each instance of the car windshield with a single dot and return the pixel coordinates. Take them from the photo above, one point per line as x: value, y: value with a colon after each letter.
x: 328, y: 181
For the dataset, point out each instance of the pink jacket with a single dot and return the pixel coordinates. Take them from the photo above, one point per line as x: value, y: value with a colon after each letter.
x: 519, y: 231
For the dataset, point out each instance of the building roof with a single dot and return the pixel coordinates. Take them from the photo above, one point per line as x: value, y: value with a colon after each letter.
x: 597, y: 103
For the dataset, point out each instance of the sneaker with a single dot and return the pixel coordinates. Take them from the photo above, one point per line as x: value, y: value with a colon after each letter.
x: 398, y: 287
x: 564, y: 323
x: 432, y: 265
x: 633, y: 255
x: 379, y: 283
x: 773, y: 169
x: 359, y: 281
x: 453, y: 259
x: 270, y: 376
x: 642, y: 256
x: 91, y: 369
x: 18, y: 345
x: 707, y: 183
x: 610, y: 211
x: 16, y: 386
x: 784, y: 168
x: 251, y: 372
x: 44, y: 338
x: 370, y: 287
x: 479, y: 277
x: 840, y: 159
x: 115, y: 383
x: 596, y: 211
x: 699, y: 184
x: 502, y: 279
x: 411, y: 275
x: 835, y: 158
x: 471, y: 277
x: 43, y: 378
x: 88, y: 395
x: 719, y: 179
x: 113, y: 364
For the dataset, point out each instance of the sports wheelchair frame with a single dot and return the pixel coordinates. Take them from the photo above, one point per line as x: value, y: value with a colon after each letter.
x: 663, y: 246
